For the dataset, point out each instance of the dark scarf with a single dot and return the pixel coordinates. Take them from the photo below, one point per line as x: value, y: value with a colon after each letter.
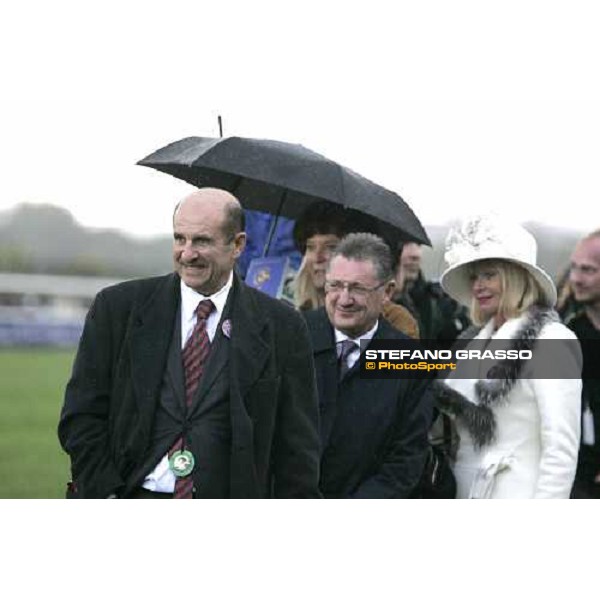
x: 479, y: 418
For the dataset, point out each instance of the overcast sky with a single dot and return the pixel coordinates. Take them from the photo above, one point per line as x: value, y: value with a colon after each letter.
x: 454, y: 105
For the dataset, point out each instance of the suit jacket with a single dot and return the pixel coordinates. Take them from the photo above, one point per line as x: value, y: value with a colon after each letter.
x: 373, y: 431
x: 111, y: 399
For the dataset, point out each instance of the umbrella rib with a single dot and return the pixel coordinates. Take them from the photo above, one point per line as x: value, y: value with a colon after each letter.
x: 237, y: 184
x: 342, y: 184
x: 274, y: 223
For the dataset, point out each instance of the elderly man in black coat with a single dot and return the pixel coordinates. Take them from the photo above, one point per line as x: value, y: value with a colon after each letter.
x: 193, y: 385
x: 373, y: 431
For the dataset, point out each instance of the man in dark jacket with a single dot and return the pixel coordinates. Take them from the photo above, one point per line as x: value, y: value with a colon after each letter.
x: 440, y: 317
x: 584, y: 279
x: 373, y: 431
x: 193, y: 385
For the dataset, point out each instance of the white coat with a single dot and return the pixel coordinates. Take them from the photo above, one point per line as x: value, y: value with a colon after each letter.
x: 534, y: 453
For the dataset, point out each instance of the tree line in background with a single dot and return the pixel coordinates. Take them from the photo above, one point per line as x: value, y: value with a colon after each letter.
x: 42, y: 238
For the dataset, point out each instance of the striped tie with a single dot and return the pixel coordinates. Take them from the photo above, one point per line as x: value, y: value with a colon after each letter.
x: 194, y: 355
x: 345, y: 348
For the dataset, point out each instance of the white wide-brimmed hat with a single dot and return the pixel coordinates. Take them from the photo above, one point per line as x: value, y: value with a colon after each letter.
x: 489, y: 237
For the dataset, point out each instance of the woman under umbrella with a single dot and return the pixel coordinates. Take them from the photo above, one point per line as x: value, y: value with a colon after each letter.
x: 518, y: 424
x: 317, y: 233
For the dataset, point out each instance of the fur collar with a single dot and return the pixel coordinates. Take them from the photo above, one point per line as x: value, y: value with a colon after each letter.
x: 479, y: 418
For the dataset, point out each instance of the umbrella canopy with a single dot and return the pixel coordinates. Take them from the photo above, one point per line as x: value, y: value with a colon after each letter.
x: 282, y: 179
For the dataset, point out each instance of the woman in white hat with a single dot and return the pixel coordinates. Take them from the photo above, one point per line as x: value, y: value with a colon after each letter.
x: 519, y: 428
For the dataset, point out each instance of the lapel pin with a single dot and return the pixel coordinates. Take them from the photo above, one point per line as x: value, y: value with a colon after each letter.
x: 226, y: 327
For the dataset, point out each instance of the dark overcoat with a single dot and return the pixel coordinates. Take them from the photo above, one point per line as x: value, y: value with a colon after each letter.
x: 111, y: 399
x: 373, y: 431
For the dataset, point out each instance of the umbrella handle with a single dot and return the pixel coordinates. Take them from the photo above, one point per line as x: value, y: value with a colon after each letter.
x: 274, y: 224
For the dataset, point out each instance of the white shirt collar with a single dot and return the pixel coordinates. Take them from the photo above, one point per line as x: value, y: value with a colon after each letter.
x: 340, y: 337
x: 190, y: 298
x: 189, y: 301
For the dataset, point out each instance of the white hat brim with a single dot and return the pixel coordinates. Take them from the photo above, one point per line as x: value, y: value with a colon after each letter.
x: 456, y: 282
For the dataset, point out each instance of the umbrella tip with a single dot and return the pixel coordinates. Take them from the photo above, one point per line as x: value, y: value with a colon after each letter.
x: 220, y: 126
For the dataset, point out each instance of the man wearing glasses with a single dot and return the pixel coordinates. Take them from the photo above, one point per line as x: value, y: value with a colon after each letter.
x: 373, y: 431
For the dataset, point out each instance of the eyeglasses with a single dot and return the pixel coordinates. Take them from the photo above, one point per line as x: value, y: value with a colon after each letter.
x: 354, y: 289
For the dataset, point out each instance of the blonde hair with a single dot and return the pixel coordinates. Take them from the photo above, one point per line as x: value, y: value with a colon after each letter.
x: 519, y: 290
x: 306, y: 295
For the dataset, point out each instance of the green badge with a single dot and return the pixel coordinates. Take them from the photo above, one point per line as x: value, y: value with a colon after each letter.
x: 182, y: 463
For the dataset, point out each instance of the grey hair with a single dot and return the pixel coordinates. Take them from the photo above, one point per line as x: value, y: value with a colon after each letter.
x: 367, y: 246
x: 234, y: 222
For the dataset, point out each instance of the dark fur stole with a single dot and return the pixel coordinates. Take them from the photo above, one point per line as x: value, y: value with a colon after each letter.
x: 479, y: 418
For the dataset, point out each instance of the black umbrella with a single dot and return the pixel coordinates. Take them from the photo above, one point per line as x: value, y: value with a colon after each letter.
x: 282, y: 179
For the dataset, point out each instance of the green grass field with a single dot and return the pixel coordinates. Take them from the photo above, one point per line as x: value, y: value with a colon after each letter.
x: 32, y: 383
